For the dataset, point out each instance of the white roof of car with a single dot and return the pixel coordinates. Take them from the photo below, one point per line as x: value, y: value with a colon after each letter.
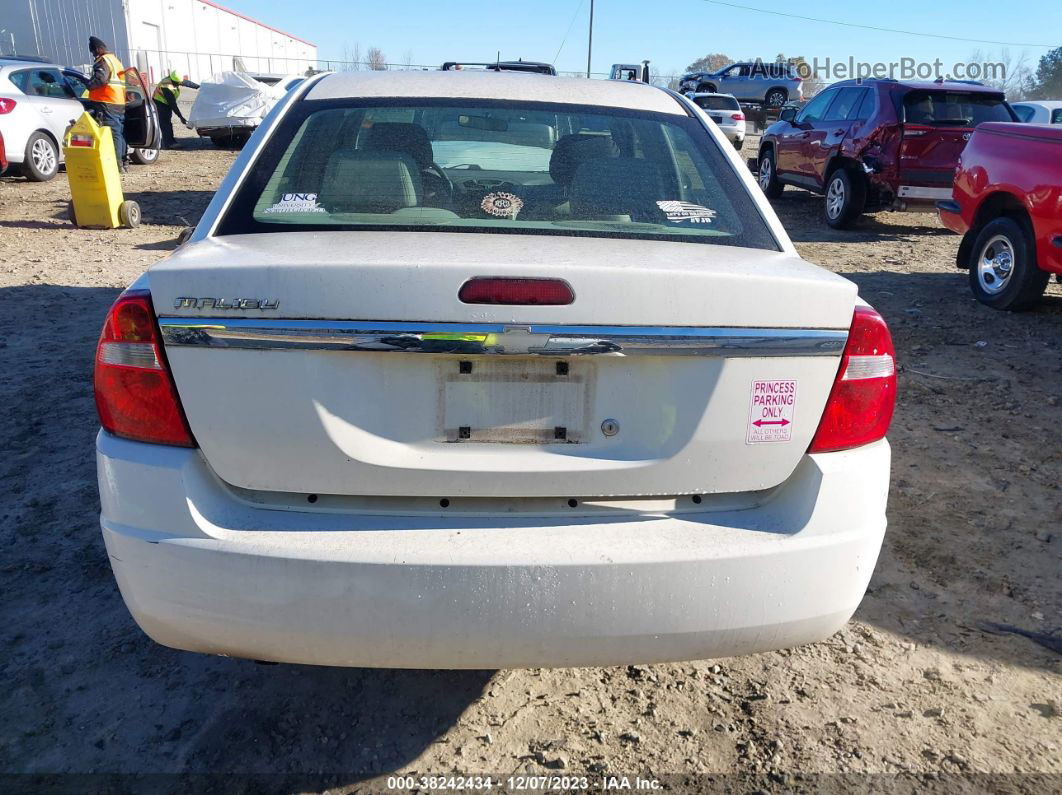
x: 1043, y: 103
x: 468, y: 84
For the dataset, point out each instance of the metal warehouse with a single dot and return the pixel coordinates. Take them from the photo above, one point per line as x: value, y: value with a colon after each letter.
x: 195, y: 37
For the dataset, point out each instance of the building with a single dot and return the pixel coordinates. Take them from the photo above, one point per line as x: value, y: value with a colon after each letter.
x: 196, y: 37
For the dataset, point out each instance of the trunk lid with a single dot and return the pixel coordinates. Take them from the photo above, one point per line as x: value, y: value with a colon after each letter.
x: 313, y: 383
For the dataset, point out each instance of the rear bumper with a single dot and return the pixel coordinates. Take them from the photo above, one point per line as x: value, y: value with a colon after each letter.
x: 950, y: 213
x: 204, y: 570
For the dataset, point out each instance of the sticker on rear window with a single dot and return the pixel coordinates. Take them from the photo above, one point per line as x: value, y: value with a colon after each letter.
x: 296, y: 203
x: 676, y: 211
x: 502, y: 204
x: 771, y: 412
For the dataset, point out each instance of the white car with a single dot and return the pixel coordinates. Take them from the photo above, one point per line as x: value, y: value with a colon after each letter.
x: 1041, y: 112
x: 39, y: 100
x: 585, y: 409
x: 724, y: 110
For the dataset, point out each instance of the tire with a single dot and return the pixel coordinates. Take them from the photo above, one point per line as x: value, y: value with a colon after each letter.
x: 846, y: 196
x: 768, y: 176
x: 42, y: 158
x: 1003, y: 270
x: 776, y: 97
x: 144, y: 157
x: 739, y: 144
x: 706, y: 88
x: 129, y: 214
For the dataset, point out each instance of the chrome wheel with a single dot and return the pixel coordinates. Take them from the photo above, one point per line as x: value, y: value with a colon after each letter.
x: 44, y: 157
x: 995, y: 264
x: 835, y: 198
x: 775, y: 99
x: 766, y: 167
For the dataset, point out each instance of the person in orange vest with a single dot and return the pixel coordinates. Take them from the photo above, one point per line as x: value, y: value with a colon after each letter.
x: 106, y: 93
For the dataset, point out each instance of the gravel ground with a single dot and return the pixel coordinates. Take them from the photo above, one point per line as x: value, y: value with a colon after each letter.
x: 912, y: 690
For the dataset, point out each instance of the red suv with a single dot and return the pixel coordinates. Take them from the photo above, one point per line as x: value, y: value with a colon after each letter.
x: 876, y: 144
x: 1007, y: 205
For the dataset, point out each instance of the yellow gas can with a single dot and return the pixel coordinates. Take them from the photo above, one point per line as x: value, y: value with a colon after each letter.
x: 95, y: 183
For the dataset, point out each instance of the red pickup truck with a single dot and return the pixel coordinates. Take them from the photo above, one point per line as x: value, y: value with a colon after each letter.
x: 1007, y: 204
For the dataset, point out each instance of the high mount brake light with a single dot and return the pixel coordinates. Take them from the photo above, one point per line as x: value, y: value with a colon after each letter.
x: 135, y: 394
x: 863, y: 397
x: 516, y: 291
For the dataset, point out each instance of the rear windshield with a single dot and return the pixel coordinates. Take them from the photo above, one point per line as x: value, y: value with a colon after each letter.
x: 953, y: 108
x: 495, y: 167
x: 717, y: 103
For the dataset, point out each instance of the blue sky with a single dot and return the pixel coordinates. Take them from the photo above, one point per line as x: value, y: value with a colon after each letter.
x: 669, y: 34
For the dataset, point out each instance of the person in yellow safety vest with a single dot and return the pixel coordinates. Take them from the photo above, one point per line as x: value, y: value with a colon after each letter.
x: 106, y: 93
x: 166, y: 95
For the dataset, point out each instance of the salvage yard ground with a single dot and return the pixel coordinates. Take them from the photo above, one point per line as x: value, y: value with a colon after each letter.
x: 912, y: 685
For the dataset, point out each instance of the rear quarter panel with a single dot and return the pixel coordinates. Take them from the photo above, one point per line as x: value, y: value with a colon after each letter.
x: 1029, y: 170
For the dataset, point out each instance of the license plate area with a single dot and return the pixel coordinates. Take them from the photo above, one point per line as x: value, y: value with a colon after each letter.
x: 496, y: 400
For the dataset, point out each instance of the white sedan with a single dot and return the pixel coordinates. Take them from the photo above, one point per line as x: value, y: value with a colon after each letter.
x: 585, y: 408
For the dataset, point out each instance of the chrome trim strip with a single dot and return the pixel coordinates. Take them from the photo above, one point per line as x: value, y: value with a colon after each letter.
x: 476, y: 339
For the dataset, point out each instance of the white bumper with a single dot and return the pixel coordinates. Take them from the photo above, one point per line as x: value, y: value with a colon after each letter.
x: 203, y: 570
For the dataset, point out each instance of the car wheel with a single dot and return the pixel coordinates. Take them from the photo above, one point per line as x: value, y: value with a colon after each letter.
x: 846, y: 196
x: 706, y: 88
x: 144, y: 157
x: 739, y: 143
x: 775, y: 98
x: 768, y: 178
x: 42, y: 158
x: 1003, y: 270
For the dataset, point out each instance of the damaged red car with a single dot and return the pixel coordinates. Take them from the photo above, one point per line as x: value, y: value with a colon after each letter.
x: 877, y: 144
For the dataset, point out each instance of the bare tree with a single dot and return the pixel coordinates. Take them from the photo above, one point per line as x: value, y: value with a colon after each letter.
x: 351, y: 57
x: 1010, y: 75
x: 376, y: 59
x: 407, y: 60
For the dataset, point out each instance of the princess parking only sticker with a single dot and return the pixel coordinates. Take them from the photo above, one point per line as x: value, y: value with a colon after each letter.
x: 771, y: 412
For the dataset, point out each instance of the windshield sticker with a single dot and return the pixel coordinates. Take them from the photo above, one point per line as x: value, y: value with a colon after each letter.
x: 677, y: 211
x: 297, y: 203
x: 502, y: 205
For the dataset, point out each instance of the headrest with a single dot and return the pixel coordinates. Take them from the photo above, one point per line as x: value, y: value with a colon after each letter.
x: 617, y: 186
x: 357, y: 181
x: 574, y: 149
x: 393, y: 136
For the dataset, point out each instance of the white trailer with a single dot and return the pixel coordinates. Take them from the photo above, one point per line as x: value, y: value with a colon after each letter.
x: 197, y: 38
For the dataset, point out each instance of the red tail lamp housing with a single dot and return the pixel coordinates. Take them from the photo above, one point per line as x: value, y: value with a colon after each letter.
x: 737, y: 116
x: 516, y: 291
x: 7, y: 105
x: 135, y: 394
x: 863, y: 397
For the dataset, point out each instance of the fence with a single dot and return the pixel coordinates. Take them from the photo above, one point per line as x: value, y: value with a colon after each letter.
x: 200, y: 66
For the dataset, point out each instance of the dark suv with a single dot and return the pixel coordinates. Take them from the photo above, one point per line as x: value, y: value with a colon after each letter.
x: 876, y: 144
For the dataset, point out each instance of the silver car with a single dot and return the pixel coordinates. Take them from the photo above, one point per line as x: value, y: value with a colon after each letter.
x: 772, y: 84
x: 724, y: 110
x: 39, y: 100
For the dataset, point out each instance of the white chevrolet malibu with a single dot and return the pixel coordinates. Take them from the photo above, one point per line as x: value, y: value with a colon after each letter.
x: 486, y: 370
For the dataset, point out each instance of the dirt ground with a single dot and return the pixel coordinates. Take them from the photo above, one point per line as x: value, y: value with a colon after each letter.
x: 911, y: 694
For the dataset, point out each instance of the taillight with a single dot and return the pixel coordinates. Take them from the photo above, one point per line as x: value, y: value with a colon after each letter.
x: 6, y: 105
x: 135, y: 394
x: 737, y: 116
x: 861, y: 402
x: 518, y: 291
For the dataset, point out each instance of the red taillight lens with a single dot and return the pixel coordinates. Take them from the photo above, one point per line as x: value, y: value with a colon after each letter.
x: 135, y: 395
x: 737, y: 116
x: 6, y: 105
x: 538, y: 292
x: 860, y: 406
